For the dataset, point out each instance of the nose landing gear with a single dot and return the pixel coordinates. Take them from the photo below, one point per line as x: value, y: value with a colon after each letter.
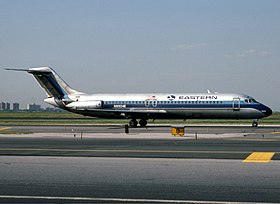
x: 255, y: 123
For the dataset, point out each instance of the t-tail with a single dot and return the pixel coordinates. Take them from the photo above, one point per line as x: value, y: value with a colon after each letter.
x: 58, y: 91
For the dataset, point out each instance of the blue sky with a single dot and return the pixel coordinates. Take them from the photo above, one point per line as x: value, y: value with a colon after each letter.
x: 120, y: 46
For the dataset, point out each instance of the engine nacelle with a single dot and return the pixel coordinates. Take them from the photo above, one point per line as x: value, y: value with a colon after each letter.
x: 84, y: 105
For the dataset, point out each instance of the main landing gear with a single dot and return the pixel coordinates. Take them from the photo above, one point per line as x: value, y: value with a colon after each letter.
x: 134, y: 123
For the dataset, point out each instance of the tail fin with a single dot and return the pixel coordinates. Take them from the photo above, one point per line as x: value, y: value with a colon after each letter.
x: 51, y: 82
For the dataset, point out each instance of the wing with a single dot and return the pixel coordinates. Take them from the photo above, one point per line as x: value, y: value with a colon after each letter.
x: 124, y: 113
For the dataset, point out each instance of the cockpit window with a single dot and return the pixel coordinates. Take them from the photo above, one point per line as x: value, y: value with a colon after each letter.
x: 250, y: 100
x: 253, y: 100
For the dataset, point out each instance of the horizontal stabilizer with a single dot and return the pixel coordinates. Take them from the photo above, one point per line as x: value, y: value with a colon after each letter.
x: 49, y: 81
x: 16, y: 69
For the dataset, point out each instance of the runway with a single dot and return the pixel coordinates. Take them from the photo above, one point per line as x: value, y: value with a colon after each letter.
x: 88, y: 164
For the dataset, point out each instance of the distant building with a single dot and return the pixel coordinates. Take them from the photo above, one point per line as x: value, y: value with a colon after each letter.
x: 33, y: 107
x: 3, y: 106
x: 16, y: 107
x: 8, y: 106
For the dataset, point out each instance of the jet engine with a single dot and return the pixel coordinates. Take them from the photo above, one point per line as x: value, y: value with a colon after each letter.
x: 85, y: 105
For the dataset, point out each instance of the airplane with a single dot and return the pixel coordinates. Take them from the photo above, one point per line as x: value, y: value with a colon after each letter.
x: 147, y: 106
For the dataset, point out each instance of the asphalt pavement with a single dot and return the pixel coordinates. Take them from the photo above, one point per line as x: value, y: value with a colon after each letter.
x: 102, y: 164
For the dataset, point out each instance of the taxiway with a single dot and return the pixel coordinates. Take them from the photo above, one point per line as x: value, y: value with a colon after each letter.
x: 89, y: 164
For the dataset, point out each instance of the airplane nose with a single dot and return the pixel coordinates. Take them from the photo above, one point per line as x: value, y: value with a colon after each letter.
x: 267, y: 111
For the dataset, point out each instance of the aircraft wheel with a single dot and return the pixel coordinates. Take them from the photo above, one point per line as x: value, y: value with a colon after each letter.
x: 133, y: 123
x: 255, y: 124
x: 143, y: 122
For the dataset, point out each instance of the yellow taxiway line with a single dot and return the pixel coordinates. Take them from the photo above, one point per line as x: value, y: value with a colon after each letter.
x: 4, y: 128
x: 274, y: 133
x: 259, y: 157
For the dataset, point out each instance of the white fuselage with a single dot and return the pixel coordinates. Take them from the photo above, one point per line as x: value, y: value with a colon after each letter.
x: 181, y: 106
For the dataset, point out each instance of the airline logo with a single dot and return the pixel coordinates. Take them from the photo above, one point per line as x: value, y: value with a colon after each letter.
x: 171, y: 97
x: 191, y: 97
x: 206, y: 97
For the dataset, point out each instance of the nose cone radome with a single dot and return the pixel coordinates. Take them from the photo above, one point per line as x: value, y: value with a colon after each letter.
x: 267, y: 111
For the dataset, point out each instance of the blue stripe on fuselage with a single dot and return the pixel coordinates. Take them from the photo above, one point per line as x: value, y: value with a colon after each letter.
x: 224, y: 104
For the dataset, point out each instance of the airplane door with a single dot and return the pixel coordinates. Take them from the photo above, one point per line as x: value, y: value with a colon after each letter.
x: 154, y: 103
x: 236, y: 104
x: 149, y: 103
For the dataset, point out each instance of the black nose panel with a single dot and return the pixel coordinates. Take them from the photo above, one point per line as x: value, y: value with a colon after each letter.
x: 268, y: 111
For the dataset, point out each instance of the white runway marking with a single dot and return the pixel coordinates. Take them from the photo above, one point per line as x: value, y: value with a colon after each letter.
x: 128, y: 200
